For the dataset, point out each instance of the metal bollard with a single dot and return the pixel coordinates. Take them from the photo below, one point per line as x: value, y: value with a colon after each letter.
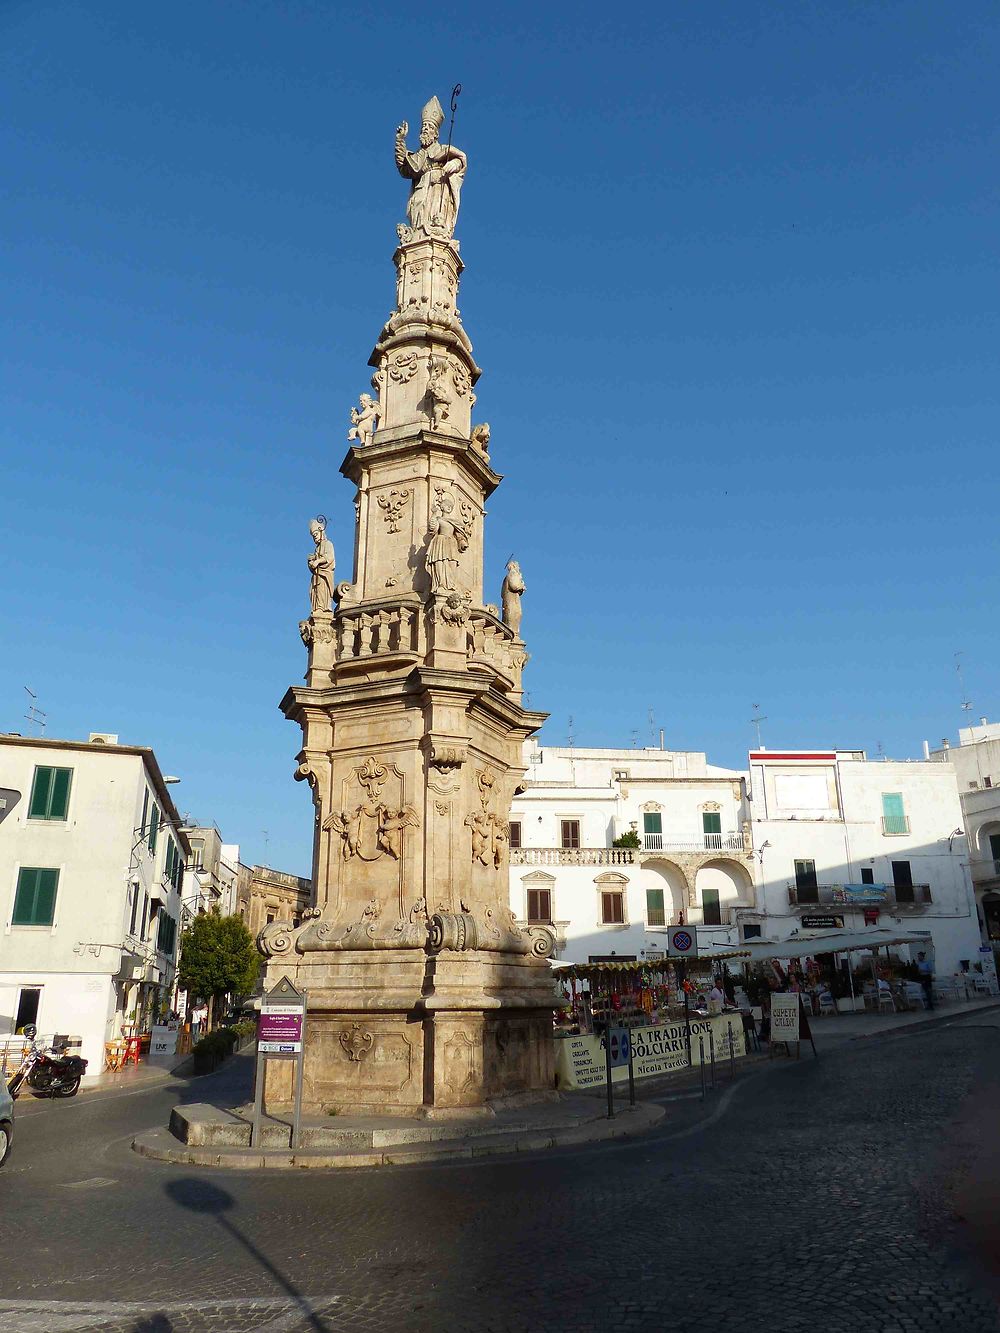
x: 701, y: 1064
x: 732, y: 1054
x: 711, y: 1053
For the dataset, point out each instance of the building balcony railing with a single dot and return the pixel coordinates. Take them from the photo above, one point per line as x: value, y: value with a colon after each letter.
x: 572, y: 856
x: 864, y: 895
x: 894, y: 826
x: 710, y: 842
x: 984, y: 868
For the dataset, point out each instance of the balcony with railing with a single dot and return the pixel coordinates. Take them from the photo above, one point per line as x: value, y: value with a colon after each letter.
x: 874, y: 895
x: 895, y: 826
x: 710, y: 842
x: 573, y: 856
x: 984, y: 870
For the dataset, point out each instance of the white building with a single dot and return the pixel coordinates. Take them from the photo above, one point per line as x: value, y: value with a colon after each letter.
x: 213, y: 874
x: 91, y: 865
x: 841, y: 840
x: 693, y: 861
x: 815, y: 839
x: 976, y: 764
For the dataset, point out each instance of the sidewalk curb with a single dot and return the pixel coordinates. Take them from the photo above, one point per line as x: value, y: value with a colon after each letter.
x: 160, y: 1145
x: 910, y: 1029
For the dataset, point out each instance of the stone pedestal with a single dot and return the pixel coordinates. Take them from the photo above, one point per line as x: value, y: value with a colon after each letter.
x: 424, y: 994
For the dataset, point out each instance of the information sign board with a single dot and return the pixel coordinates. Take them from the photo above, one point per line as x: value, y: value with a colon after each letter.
x: 822, y: 923
x: 163, y: 1039
x: 280, y: 1030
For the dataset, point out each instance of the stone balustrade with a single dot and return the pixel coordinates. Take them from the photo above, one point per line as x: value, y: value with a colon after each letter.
x: 572, y: 856
x: 369, y: 633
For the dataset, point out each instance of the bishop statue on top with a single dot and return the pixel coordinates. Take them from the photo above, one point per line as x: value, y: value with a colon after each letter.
x: 437, y: 171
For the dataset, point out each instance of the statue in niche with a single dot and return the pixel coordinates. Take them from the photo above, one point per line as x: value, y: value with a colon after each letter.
x: 321, y: 567
x: 437, y: 390
x: 363, y: 420
x: 437, y: 171
x: 447, y: 542
x: 510, y: 597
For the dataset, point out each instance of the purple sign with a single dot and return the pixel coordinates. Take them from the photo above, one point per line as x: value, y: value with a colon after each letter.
x: 280, y: 1033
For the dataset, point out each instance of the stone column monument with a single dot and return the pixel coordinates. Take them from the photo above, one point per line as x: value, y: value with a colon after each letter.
x: 424, y: 994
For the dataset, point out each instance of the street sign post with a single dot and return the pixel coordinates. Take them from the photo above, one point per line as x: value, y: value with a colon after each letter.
x: 281, y: 1033
x: 617, y: 1054
x: 682, y: 942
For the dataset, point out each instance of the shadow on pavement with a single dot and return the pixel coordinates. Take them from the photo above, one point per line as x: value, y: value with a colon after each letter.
x: 201, y: 1196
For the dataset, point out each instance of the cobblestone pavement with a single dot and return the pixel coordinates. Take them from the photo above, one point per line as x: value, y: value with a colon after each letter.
x: 831, y: 1195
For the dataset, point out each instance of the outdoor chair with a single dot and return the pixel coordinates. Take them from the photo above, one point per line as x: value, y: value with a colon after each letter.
x: 827, y: 1004
x: 884, y: 999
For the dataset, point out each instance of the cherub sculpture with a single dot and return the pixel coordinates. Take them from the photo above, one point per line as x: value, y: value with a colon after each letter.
x: 363, y: 420
x: 390, y: 834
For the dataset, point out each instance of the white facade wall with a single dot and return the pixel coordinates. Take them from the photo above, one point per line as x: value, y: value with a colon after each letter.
x: 607, y: 792
x: 88, y: 963
x: 975, y: 762
x: 827, y: 808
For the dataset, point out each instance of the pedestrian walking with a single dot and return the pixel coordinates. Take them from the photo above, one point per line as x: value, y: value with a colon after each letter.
x: 926, y: 974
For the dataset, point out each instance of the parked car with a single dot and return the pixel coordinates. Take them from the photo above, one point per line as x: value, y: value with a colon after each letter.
x: 6, y: 1122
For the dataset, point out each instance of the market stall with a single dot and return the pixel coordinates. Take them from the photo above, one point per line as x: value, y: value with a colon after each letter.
x: 668, y: 1008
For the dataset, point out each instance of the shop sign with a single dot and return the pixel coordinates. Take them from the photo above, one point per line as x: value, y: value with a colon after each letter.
x: 822, y: 923
x: 860, y: 893
x: 163, y: 1039
x: 784, y: 1018
x: 580, y: 1061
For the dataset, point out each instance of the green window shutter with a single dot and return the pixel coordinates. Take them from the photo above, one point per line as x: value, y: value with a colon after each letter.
x: 711, y: 821
x: 35, y: 900
x: 711, y: 911
x: 154, y: 824
x: 652, y: 823
x: 892, y: 805
x: 654, y: 907
x: 40, y: 791
x: 50, y: 793
x: 59, y: 801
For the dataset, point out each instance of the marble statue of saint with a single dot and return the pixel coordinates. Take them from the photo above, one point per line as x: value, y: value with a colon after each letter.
x: 437, y: 171
x: 447, y: 542
x: 321, y: 567
x: 510, y: 596
x: 363, y: 420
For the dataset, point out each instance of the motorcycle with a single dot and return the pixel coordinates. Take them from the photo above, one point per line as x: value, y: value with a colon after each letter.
x: 46, y: 1073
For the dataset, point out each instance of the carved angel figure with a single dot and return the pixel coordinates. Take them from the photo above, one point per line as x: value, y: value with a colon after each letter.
x: 447, y: 542
x: 510, y: 596
x: 479, y: 823
x: 363, y: 420
x: 390, y: 834
x: 349, y: 828
x: 437, y: 390
x: 501, y: 833
x: 321, y: 567
x: 437, y: 171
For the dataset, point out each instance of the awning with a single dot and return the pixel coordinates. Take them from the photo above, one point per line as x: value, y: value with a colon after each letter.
x: 806, y: 944
x: 583, y: 970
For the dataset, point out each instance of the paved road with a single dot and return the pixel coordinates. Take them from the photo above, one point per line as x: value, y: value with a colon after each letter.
x: 856, y: 1193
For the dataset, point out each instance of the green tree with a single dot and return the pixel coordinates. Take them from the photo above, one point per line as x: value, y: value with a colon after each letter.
x: 218, y: 957
x: 629, y: 839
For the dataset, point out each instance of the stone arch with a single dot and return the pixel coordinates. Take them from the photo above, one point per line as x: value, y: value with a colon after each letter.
x: 729, y: 878
x: 989, y: 829
x: 672, y: 881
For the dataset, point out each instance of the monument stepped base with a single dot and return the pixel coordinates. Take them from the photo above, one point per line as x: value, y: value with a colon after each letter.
x: 203, y: 1135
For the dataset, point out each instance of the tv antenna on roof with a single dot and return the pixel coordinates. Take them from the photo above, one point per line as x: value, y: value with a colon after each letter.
x: 756, y: 720
x: 966, y: 701
x: 570, y: 738
x: 34, y: 715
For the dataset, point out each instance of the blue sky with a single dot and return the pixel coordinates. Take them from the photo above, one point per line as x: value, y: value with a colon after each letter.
x: 731, y: 274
